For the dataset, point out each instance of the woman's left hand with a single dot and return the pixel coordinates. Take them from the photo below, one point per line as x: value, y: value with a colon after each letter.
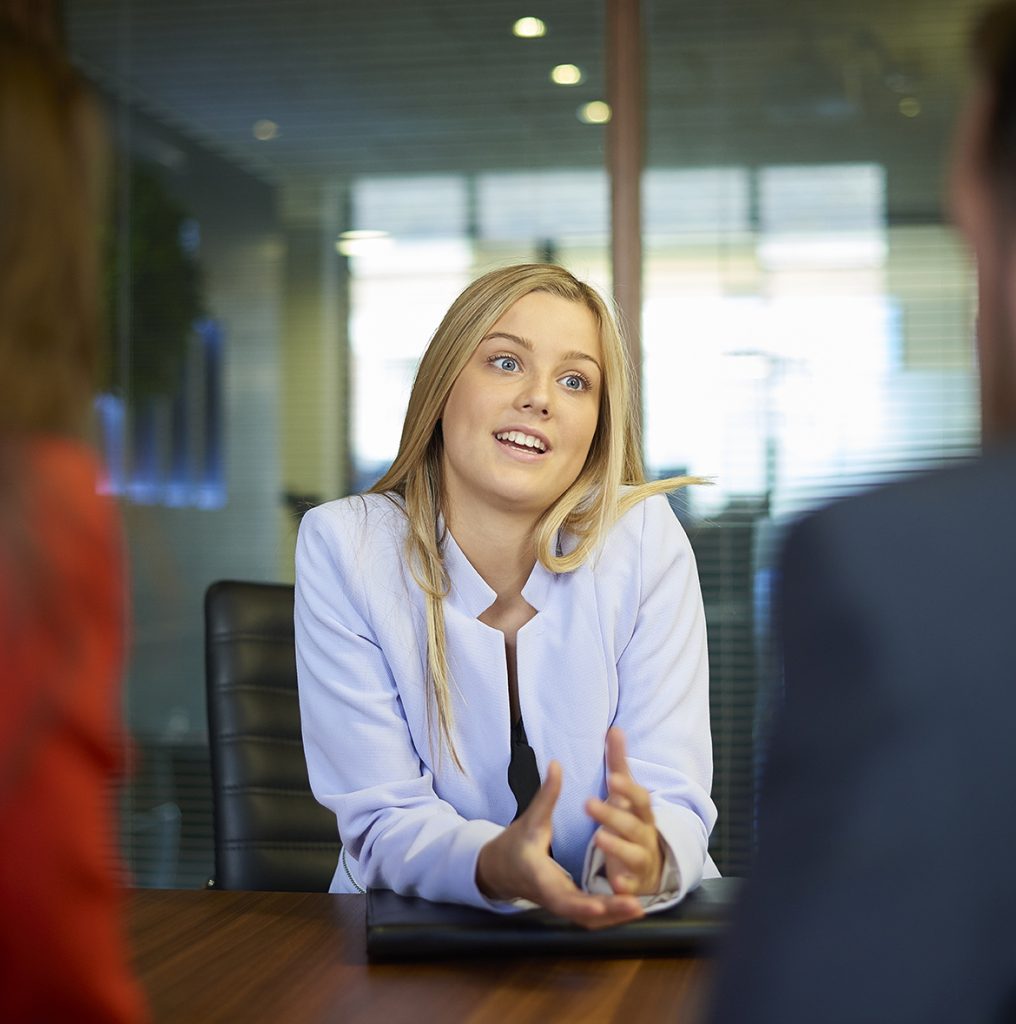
x: 627, y: 834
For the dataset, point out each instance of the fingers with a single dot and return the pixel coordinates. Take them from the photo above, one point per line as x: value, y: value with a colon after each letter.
x: 616, y: 910
x: 543, y: 881
x: 627, y: 836
x: 623, y: 824
x: 617, y: 757
x: 629, y: 857
x: 627, y: 794
x: 560, y: 895
x: 622, y: 790
x: 631, y: 867
x: 628, y: 811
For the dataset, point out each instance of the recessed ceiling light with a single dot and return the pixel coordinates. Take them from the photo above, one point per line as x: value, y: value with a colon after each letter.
x: 566, y: 74
x: 910, y: 106
x: 596, y: 112
x: 529, y: 28
x: 265, y: 130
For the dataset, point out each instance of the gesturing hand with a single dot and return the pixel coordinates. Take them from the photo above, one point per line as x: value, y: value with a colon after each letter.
x: 627, y: 834
x: 517, y: 863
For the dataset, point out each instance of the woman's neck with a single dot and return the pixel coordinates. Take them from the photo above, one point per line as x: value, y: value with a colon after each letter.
x: 499, y: 547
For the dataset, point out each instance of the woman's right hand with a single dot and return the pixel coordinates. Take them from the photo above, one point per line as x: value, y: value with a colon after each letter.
x: 518, y: 864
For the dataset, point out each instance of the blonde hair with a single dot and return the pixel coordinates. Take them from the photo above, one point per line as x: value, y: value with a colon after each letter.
x: 587, y: 508
x: 52, y: 155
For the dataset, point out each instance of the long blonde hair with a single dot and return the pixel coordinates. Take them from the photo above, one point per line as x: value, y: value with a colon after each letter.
x: 586, y: 510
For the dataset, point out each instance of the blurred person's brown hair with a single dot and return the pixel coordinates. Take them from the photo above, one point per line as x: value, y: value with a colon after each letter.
x: 63, y: 946
x: 993, y: 46
x: 983, y: 200
x: 51, y: 175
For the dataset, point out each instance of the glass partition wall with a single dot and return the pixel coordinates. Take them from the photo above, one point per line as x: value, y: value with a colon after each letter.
x: 808, y: 314
x: 301, y: 189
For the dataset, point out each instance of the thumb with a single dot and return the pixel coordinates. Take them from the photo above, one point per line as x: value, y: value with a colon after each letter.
x: 541, y: 808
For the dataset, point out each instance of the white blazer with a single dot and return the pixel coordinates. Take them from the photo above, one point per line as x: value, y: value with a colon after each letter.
x: 619, y: 641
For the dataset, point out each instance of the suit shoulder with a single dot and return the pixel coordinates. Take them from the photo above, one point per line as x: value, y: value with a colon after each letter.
x: 360, y: 522
x: 650, y: 524
x: 936, y: 525
x: 924, y: 504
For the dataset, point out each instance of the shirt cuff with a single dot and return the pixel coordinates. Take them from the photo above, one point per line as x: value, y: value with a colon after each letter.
x: 683, y: 841
x: 594, y: 876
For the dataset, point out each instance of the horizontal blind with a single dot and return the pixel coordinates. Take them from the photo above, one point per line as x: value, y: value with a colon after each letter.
x: 300, y: 190
x: 808, y: 315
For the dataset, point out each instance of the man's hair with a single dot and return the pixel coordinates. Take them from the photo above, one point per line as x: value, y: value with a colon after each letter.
x: 993, y: 46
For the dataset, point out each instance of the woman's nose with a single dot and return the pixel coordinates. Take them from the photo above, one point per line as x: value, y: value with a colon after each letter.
x: 534, y: 399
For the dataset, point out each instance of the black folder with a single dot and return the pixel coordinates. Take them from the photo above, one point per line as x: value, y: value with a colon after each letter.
x: 407, y: 928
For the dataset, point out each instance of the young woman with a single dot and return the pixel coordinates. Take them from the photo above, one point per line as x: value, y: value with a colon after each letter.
x: 511, y: 603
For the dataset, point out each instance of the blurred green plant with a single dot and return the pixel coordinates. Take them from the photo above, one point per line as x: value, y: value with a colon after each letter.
x: 164, y: 290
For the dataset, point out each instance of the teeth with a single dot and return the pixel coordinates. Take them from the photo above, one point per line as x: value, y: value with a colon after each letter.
x: 517, y: 437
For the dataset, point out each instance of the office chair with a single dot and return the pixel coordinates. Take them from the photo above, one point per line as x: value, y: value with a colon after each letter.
x: 270, y: 832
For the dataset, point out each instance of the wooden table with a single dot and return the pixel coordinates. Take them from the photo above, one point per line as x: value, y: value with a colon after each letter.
x: 300, y: 957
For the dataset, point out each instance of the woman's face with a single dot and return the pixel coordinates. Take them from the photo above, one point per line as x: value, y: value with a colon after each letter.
x: 521, y: 415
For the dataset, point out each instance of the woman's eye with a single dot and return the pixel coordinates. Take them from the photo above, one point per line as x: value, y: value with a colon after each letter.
x: 506, y: 363
x: 573, y: 382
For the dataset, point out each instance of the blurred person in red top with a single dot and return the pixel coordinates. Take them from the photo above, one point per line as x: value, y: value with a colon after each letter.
x: 63, y: 951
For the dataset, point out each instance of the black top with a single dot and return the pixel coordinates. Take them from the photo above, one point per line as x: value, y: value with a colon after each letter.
x: 523, y: 775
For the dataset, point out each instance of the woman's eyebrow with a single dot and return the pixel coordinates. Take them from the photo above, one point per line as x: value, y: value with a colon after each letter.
x: 528, y: 345
x: 515, y: 338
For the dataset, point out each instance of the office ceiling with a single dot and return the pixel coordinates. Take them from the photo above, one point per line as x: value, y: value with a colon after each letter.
x: 429, y: 86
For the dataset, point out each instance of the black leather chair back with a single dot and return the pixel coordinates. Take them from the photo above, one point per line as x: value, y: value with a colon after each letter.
x: 270, y: 832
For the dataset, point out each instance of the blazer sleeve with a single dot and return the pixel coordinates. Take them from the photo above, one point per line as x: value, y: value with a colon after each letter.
x: 361, y: 758
x: 663, y: 696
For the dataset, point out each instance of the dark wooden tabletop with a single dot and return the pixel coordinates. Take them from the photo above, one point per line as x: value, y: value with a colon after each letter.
x: 252, y: 956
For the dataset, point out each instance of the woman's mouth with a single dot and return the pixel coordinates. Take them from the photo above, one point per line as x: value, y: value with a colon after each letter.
x: 521, y: 441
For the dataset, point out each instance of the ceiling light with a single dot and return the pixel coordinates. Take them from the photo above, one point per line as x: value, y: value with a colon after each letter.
x: 566, y: 74
x: 265, y: 130
x: 910, y: 106
x: 596, y: 112
x: 529, y: 28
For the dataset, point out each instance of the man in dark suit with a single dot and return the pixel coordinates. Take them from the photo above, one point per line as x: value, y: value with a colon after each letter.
x: 885, y: 884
